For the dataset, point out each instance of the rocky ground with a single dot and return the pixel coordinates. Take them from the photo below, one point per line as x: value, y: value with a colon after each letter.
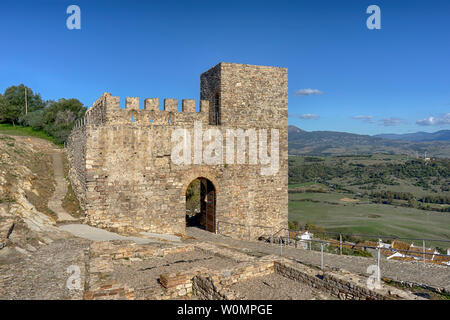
x: 26, y: 185
x: 44, y: 273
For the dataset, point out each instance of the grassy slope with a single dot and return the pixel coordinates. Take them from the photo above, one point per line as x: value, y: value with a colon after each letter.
x: 24, y: 131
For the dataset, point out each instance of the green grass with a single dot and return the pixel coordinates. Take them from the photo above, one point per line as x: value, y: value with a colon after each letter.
x: 304, y: 184
x: 6, y: 128
x: 328, y: 211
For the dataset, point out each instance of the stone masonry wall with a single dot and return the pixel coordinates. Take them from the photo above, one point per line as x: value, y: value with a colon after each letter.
x: 123, y: 173
x: 340, y: 284
x: 76, y: 153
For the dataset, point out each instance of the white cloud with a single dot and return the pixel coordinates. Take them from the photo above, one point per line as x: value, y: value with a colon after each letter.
x: 368, y: 119
x: 435, y: 121
x: 392, y: 121
x: 309, y: 116
x: 306, y: 116
x: 307, y: 92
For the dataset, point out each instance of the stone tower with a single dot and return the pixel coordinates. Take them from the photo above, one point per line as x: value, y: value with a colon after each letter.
x: 125, y: 173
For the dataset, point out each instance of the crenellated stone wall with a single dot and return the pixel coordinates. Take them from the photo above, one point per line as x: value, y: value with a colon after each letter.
x: 125, y: 177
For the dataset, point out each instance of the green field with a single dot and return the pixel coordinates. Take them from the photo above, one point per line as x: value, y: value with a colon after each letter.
x: 305, y: 184
x: 378, y: 194
x: 327, y: 210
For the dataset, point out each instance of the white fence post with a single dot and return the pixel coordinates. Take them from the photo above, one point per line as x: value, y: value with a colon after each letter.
x: 423, y: 248
x: 321, y: 256
x: 281, y: 246
x: 378, y: 266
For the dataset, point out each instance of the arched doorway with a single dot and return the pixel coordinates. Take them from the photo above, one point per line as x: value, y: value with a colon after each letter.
x: 201, y: 204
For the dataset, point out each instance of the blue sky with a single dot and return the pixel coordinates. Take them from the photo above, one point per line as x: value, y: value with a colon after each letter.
x: 396, y: 79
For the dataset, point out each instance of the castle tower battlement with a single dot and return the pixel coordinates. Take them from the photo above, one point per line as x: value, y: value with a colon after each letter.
x: 107, y: 110
x: 122, y: 168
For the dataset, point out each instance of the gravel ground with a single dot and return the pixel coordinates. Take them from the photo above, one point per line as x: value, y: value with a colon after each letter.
x: 43, y: 275
x: 145, y: 274
x: 433, y: 275
x: 277, y: 287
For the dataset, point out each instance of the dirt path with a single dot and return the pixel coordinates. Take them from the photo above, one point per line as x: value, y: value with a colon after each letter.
x: 55, y: 202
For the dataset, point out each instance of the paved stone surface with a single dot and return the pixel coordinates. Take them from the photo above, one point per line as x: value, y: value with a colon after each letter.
x: 96, y: 234
x: 429, y: 274
x: 169, y: 237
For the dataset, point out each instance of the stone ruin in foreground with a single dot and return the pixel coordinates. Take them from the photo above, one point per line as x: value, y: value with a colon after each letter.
x: 126, y: 181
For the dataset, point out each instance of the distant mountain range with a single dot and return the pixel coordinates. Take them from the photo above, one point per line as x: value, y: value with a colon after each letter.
x: 442, y: 135
x: 303, y: 142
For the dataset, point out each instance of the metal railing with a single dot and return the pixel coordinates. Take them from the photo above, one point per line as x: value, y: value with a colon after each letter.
x: 378, y: 249
x: 364, y: 235
x: 287, y: 240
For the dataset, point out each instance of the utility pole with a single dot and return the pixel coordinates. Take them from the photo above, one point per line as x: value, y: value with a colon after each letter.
x: 26, y: 102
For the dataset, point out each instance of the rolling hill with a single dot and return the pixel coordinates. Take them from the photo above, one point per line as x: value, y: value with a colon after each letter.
x: 442, y: 135
x: 342, y: 143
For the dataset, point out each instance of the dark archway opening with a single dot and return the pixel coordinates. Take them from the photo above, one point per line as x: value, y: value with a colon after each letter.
x: 201, y: 205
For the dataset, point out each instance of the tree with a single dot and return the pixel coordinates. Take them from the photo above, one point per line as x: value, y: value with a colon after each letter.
x: 33, y: 119
x: 15, y: 96
x: 193, y: 197
x: 59, y: 117
x: 294, y: 225
x: 64, y: 111
x: 390, y: 198
x: 412, y: 202
x: 8, y: 113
